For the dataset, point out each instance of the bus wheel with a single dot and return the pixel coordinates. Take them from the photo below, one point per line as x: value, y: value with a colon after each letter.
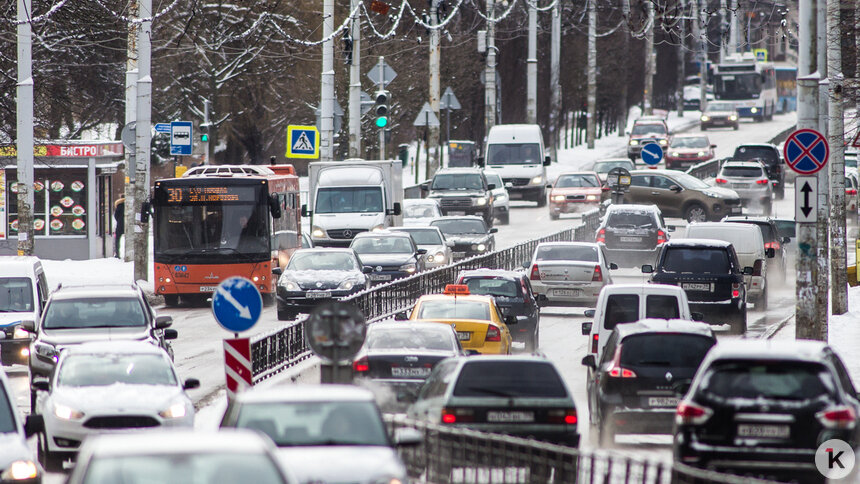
x: 268, y: 299
x: 171, y: 300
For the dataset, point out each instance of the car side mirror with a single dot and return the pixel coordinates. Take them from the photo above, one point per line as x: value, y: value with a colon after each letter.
x: 305, y: 212
x: 28, y: 325
x: 647, y: 269
x: 586, y: 328
x: 493, y: 230
x: 34, y: 424
x: 786, y: 240
x: 589, y: 313
x: 479, y: 161
x: 588, y: 360
x: 171, y: 334
x: 697, y: 316
x: 277, y: 271
x: 407, y: 437
x: 675, y: 188
x: 510, y: 319
x: 401, y: 316
x: 164, y: 321
x: 425, y: 185
x: 191, y: 384
x: 145, y: 208
x: 613, y: 266
x: 40, y: 385
x: 394, y: 211
x: 770, y: 252
x: 547, y: 160
x: 526, y: 264
x: 713, y: 146
x: 366, y: 269
x: 449, y: 243
x: 748, y: 271
x: 274, y: 206
x: 681, y: 387
x: 491, y: 186
x: 421, y: 251
x: 472, y: 352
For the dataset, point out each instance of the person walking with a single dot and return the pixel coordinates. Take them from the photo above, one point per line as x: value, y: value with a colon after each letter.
x: 119, y: 225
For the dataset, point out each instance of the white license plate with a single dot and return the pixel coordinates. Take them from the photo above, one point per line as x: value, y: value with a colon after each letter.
x: 380, y: 277
x: 409, y: 372
x: 458, y: 255
x: 662, y: 402
x: 464, y: 335
x: 764, y: 431
x: 518, y: 417
x: 318, y: 294
x: 695, y: 286
x: 208, y: 288
x: 567, y: 292
x: 740, y: 185
x: 457, y: 213
x: 630, y: 239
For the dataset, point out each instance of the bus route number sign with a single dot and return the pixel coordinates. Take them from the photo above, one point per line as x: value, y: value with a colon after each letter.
x: 203, y: 194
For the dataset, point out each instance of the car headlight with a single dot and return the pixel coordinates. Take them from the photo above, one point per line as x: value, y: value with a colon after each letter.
x: 753, y: 110
x: 20, y: 470
x: 46, y: 350
x: 347, y: 285
x: 591, y: 198
x: 663, y: 142
x: 410, y: 267
x: 733, y: 117
x: 481, y: 247
x: 289, y: 284
x: 709, y: 193
x: 705, y: 118
x: 701, y: 153
x: 388, y: 480
x: 558, y: 198
x: 481, y: 201
x: 537, y: 180
x: 67, y: 413
x: 20, y: 333
x: 378, y: 228
x: 676, y: 154
x: 318, y: 233
x: 438, y: 258
x: 177, y: 410
x: 633, y: 142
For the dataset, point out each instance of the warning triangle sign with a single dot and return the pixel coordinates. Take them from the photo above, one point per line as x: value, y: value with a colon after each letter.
x: 303, y: 143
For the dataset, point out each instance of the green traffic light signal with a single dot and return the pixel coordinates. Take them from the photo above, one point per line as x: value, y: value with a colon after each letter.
x: 204, y: 137
x: 382, y: 121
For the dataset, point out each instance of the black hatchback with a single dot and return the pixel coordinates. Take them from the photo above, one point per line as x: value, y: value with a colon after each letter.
x: 633, y: 388
x: 632, y: 234
x: 763, y: 408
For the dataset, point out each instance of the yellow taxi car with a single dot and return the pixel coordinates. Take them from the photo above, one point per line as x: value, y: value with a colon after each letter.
x: 478, y: 321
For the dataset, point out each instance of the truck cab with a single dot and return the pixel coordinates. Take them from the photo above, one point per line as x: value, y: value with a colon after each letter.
x: 516, y: 152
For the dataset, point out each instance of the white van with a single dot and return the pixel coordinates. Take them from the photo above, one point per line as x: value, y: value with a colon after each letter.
x: 628, y: 303
x: 749, y: 245
x: 23, y: 293
x: 516, y: 152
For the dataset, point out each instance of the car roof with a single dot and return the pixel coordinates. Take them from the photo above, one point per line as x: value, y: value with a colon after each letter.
x: 461, y: 169
x: 383, y: 325
x: 568, y: 243
x: 602, y: 160
x: 415, y: 228
x: 640, y: 288
x: 104, y: 290
x: 467, y: 297
x: 577, y: 172
x: 177, y: 441
x: 748, y: 218
x: 756, y: 145
x: 17, y: 266
x: 727, y: 225
x: 345, y: 250
x: 381, y: 233
x: 114, y: 347
x: 420, y: 201
x: 660, y: 326
x: 756, y: 349
x: 458, y: 217
x: 689, y: 135
x: 696, y: 243
x: 659, y: 171
x: 738, y: 163
x: 633, y: 208
x: 306, y: 393
x: 507, y: 358
x: 498, y: 273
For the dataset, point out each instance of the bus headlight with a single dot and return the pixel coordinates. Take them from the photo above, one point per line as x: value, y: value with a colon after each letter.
x: 753, y: 110
x: 318, y: 233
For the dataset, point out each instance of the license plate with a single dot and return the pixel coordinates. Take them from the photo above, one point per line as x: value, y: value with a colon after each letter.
x: 409, y: 372
x: 764, y: 431
x: 208, y: 288
x: 740, y: 185
x: 457, y: 255
x: 662, y: 402
x: 464, y: 335
x: 694, y: 286
x: 457, y: 212
x: 318, y: 294
x: 508, y: 417
x: 380, y: 277
x: 630, y: 239
x: 567, y: 292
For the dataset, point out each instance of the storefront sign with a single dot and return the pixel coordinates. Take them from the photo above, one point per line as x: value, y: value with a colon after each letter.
x: 69, y: 151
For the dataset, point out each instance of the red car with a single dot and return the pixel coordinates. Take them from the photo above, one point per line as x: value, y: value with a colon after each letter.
x: 575, y: 192
x: 685, y: 150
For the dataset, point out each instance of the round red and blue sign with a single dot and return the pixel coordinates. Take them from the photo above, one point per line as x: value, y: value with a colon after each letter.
x: 806, y: 151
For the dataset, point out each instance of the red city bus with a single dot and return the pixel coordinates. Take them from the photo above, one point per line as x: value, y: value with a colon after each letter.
x: 218, y: 221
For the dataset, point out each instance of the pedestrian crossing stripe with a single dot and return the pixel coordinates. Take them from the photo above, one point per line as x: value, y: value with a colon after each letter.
x: 303, y: 142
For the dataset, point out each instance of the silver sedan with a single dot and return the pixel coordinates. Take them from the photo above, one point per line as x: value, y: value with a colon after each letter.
x: 569, y: 273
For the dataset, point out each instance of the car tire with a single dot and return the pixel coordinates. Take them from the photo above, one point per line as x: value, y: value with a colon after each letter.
x: 541, y: 198
x: 605, y: 432
x: 768, y: 209
x: 761, y: 302
x: 736, y: 127
x: 286, y: 314
x: 533, y: 341
x: 695, y: 212
x: 739, y: 323
x: 780, y: 192
x: 553, y: 216
x: 505, y: 219
x: 51, y: 461
x: 34, y: 397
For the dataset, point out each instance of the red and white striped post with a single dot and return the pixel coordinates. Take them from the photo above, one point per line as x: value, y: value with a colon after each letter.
x: 237, y: 365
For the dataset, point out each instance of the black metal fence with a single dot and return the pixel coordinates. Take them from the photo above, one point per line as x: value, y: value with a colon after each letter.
x: 455, y: 454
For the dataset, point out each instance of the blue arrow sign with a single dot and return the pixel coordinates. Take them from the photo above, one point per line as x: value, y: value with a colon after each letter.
x: 180, y: 138
x: 162, y: 128
x: 237, y: 304
x: 652, y: 154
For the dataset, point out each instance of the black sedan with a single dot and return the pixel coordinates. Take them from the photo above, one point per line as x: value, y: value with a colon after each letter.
x: 471, y: 235
x: 317, y: 275
x: 390, y: 255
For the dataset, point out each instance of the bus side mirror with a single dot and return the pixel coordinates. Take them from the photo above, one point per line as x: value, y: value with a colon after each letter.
x: 274, y: 206
x: 145, y: 207
x: 547, y: 160
x: 479, y: 161
x: 396, y: 210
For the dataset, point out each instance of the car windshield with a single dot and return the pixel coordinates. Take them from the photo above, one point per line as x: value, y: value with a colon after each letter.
x: 509, y: 379
x: 7, y: 418
x: 409, y: 337
x: 16, y: 295
x: 453, y: 309
x: 457, y: 181
x: 630, y: 220
x: 492, y: 286
x: 382, y: 245
x: 605, y: 166
x: 185, y: 468
x: 781, y: 380
x: 349, y: 200
x: 577, y: 181
x: 691, y: 142
x: 315, y: 423
x: 714, y: 107
x: 584, y: 253
x: 689, y: 182
x: 668, y: 350
x: 421, y: 211
x: 94, y: 312
x: 322, y: 261
x: 743, y: 171
x: 494, y: 179
x: 107, y: 369
x: 649, y: 128
x: 425, y: 237
x: 764, y: 153
x: 786, y: 228
x: 696, y: 260
x: 460, y: 226
x: 513, y: 154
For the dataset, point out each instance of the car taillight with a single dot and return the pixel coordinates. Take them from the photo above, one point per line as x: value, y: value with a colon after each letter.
x: 616, y: 371
x: 598, y: 275
x: 761, y: 182
x: 721, y: 180
x: 850, y: 191
x: 594, y: 340
x: 454, y: 415
x: 661, y: 236
x: 736, y: 290
x: 493, y: 334
x: 361, y: 365
x: 601, y: 235
x: 757, y: 267
x: 605, y: 188
x: 535, y: 275
x: 690, y: 413
x: 771, y: 245
x: 565, y: 416
x: 842, y: 417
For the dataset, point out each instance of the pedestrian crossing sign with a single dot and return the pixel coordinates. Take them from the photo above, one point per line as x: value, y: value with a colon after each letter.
x: 303, y: 142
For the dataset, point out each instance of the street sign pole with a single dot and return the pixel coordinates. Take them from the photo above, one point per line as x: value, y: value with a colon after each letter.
x: 382, y: 87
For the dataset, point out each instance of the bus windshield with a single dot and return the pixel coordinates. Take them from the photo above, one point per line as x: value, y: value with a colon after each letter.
x: 738, y: 86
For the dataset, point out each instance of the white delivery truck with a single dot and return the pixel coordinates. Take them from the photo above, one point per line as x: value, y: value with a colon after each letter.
x: 516, y: 152
x: 352, y: 196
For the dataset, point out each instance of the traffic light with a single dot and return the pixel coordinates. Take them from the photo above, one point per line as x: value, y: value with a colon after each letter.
x: 381, y: 97
x: 204, y: 133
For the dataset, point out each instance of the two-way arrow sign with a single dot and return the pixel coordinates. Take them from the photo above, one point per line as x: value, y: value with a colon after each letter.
x: 806, y: 199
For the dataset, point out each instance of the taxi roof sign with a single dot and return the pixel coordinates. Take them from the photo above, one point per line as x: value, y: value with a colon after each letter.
x: 457, y: 289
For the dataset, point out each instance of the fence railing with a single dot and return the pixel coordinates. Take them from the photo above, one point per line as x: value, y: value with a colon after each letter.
x: 459, y: 455
x: 284, y: 347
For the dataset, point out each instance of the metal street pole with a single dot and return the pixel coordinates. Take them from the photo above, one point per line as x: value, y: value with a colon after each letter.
x: 435, y: 53
x: 725, y: 22
x: 142, y: 142
x: 591, y: 94
x: 838, y: 242
x: 554, y: 84
x: 24, y: 125
x: 625, y: 60
x: 490, y: 72
x: 822, y: 227
x: 381, y: 87
x: 531, y: 67
x: 700, y: 33
x: 427, y: 145
x: 355, y: 85
x: 821, y: 62
x: 649, y: 63
x: 734, y: 35
x: 209, y: 130
x: 327, y: 87
x: 130, y: 117
x: 681, y: 59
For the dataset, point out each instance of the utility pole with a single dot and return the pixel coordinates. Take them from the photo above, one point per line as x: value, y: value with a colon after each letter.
x: 821, y: 49
x: 209, y: 128
x: 435, y: 52
x: 24, y: 143
x: 649, y: 63
x: 681, y: 58
x: 699, y: 26
x: 822, y: 227
x: 625, y: 52
x: 554, y: 84
x: 591, y: 115
x: 725, y: 23
x: 142, y: 141
x: 734, y: 33
x: 381, y: 88
x: 355, y: 85
x: 838, y: 254
x: 531, y: 67
x: 327, y: 88
x: 490, y: 72
x: 130, y: 117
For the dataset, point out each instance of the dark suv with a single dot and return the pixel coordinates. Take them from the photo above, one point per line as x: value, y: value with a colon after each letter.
x: 632, y: 389
x: 513, y: 293
x: 763, y: 408
x: 768, y: 154
x: 632, y: 234
x: 710, y: 274
x: 462, y: 191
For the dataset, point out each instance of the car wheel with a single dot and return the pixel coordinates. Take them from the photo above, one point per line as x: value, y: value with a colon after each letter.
x: 762, y: 300
x: 553, y: 216
x: 505, y: 219
x: 171, y: 300
x: 541, y: 198
x: 780, y: 192
x: 605, y: 432
x: 768, y: 209
x: 34, y: 397
x: 739, y: 323
x: 736, y: 127
x: 695, y: 212
x: 286, y: 314
x: 51, y: 461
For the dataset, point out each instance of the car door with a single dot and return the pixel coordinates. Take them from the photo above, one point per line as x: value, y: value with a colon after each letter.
x: 669, y: 201
x: 531, y: 300
x: 639, y: 190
